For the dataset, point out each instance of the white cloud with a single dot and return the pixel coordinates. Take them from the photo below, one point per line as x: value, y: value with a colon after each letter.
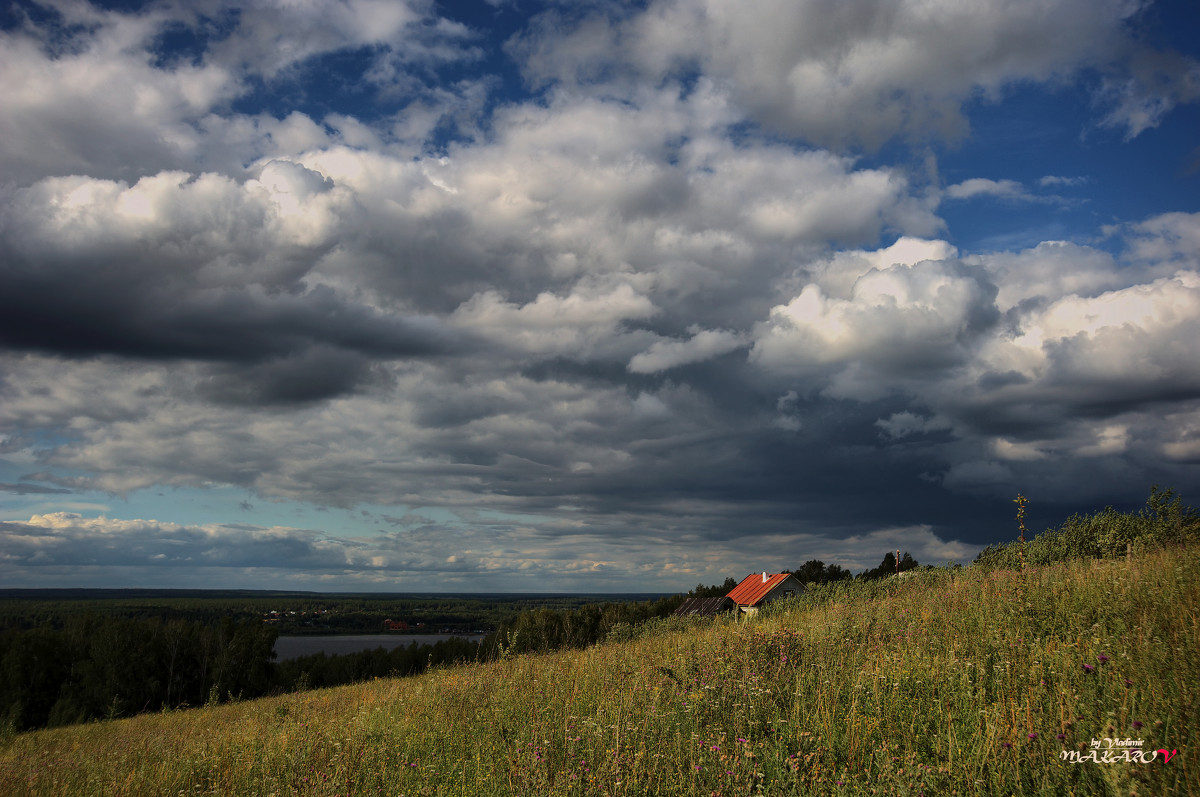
x: 1153, y: 85
x: 1052, y: 180
x: 980, y: 186
x: 572, y: 325
x: 901, y: 321
x: 1171, y: 237
x: 1061, y: 342
x: 858, y: 73
x: 703, y: 345
x: 101, y: 108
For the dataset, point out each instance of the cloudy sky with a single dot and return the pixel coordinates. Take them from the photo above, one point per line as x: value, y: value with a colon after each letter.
x: 585, y: 296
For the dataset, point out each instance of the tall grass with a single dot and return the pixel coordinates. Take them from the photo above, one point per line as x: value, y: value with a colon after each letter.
x: 947, y: 682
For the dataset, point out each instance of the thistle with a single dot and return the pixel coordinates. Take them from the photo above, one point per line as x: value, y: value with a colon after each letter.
x: 1021, y: 501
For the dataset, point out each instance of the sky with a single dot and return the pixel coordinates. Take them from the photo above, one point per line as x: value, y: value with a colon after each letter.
x: 588, y: 296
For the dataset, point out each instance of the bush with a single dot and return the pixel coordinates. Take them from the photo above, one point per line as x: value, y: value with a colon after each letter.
x: 1105, y: 534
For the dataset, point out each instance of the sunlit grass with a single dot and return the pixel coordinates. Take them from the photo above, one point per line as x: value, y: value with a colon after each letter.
x: 944, y: 682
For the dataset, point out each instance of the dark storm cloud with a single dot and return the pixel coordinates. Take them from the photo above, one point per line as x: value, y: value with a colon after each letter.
x: 135, y: 321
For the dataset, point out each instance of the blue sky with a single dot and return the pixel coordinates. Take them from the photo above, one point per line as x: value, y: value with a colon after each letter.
x: 593, y: 297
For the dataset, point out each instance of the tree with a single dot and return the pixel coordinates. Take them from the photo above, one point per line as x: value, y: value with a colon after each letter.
x: 814, y: 571
x: 888, y: 566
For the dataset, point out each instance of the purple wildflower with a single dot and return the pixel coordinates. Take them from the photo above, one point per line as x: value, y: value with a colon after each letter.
x: 1089, y: 668
x: 1031, y: 736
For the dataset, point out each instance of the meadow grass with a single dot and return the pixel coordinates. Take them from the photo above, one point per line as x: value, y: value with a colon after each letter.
x: 944, y: 682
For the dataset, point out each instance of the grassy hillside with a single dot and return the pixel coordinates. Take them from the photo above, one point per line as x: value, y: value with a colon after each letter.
x: 943, y: 682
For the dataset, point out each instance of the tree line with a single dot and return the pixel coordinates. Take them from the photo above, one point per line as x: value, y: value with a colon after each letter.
x: 97, y: 667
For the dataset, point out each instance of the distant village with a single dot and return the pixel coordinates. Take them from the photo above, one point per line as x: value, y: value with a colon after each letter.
x: 325, y: 620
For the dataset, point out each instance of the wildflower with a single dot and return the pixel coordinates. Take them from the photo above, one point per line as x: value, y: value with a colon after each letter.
x: 1031, y: 735
x: 1060, y: 736
x: 1137, y: 725
x: 1089, y: 668
x: 1102, y: 658
x: 1008, y: 745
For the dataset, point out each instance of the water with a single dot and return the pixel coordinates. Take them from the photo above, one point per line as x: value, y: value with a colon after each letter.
x: 291, y: 647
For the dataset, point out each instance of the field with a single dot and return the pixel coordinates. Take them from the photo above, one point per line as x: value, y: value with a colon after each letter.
x: 947, y: 681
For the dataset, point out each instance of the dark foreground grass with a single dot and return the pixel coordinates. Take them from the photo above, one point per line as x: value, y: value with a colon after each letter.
x: 945, y: 682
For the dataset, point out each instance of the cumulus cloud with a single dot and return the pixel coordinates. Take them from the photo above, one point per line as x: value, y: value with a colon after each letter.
x: 100, y: 92
x: 1050, y: 357
x: 862, y: 72
x: 903, y: 320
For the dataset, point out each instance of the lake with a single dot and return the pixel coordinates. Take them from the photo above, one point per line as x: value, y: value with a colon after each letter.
x: 292, y: 647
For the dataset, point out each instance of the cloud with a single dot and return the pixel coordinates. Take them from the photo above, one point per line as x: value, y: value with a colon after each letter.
x: 703, y: 345
x: 648, y: 316
x: 1153, y: 84
x: 902, y: 321
x: 849, y: 74
x: 119, y: 96
x: 430, y: 556
x: 181, y: 266
x: 1050, y: 358
x: 572, y: 325
x: 903, y: 424
x: 25, y: 488
x: 1052, y: 180
x: 1001, y: 189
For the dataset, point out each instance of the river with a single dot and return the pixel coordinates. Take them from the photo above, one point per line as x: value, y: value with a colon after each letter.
x: 292, y: 647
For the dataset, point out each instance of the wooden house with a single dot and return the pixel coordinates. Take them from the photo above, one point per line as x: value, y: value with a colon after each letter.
x: 758, y: 590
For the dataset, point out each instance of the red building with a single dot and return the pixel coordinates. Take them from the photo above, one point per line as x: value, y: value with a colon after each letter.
x: 757, y: 590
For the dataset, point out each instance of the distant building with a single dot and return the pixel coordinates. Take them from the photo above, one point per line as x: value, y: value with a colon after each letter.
x: 395, y: 625
x: 705, y: 607
x: 757, y: 590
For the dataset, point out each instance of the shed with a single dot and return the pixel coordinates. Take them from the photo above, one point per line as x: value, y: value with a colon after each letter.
x: 704, y: 607
x: 757, y: 590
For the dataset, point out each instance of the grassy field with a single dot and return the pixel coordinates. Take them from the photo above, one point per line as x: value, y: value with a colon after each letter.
x: 945, y: 682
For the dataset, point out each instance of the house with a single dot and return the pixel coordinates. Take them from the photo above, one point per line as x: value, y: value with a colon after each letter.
x: 704, y: 607
x: 757, y: 590
x: 395, y: 625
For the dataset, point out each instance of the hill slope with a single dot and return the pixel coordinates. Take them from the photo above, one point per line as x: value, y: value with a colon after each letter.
x: 946, y: 681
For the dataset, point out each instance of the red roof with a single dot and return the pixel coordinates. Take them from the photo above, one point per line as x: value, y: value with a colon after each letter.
x: 753, y: 589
